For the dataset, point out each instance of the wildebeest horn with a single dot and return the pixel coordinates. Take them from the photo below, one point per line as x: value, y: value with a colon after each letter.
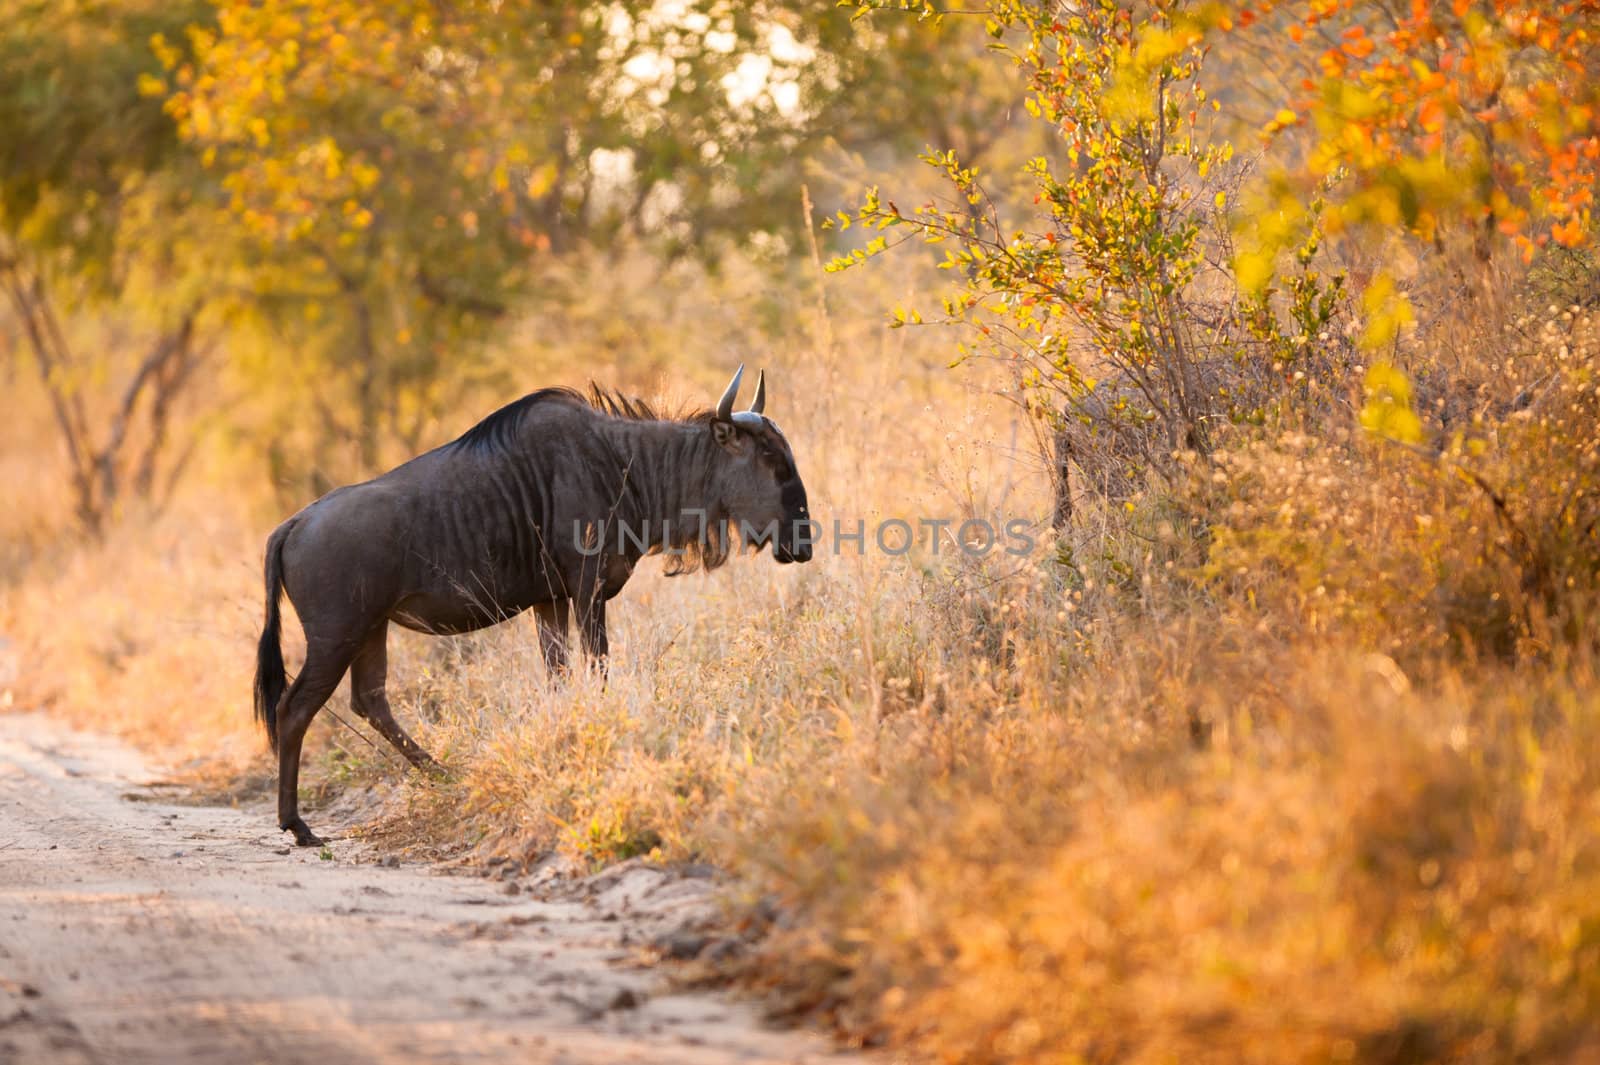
x: 761, y: 393
x: 725, y: 404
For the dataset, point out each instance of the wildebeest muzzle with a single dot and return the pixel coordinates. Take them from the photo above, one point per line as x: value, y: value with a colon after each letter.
x: 796, y: 533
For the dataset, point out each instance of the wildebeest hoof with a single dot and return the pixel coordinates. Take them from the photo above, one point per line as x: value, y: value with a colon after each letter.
x: 303, y: 836
x: 432, y: 769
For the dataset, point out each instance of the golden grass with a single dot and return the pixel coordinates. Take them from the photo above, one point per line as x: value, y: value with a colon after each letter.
x: 1353, y: 869
x: 146, y: 634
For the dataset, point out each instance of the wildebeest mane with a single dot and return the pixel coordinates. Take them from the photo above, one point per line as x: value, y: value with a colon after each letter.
x: 499, y: 428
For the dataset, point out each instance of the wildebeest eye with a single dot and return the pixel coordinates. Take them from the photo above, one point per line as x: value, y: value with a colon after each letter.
x: 773, y: 457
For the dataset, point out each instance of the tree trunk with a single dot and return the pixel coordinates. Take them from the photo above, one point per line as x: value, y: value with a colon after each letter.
x: 95, y: 469
x: 1061, y: 513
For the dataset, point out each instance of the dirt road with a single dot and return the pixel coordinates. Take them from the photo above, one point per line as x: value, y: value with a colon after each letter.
x: 136, y: 930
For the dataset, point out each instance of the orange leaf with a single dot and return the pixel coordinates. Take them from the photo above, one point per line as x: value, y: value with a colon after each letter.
x: 1430, y: 116
x: 1359, y: 48
x: 1568, y: 234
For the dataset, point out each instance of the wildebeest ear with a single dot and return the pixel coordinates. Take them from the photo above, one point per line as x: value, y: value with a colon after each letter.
x: 726, y: 434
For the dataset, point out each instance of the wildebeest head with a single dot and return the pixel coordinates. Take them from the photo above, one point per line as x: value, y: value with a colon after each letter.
x: 756, y: 479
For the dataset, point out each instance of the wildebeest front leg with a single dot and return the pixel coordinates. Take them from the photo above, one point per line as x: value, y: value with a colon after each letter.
x: 592, y: 627
x: 369, y: 675
x: 323, y: 670
x: 553, y: 633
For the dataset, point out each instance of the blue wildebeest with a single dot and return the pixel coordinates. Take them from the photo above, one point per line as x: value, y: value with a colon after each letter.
x: 548, y: 503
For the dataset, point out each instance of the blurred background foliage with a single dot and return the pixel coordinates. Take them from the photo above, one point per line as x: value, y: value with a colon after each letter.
x: 357, y: 195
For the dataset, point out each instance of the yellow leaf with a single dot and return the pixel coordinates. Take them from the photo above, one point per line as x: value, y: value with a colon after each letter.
x: 1282, y: 120
x: 1387, y: 310
x: 541, y: 180
x: 1253, y: 269
x: 1388, y: 412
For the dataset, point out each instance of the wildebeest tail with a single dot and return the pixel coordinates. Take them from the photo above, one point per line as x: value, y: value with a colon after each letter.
x: 270, y: 676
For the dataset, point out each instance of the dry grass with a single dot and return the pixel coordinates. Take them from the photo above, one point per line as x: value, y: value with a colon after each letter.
x: 145, y: 634
x: 1296, y: 764
x: 1353, y: 869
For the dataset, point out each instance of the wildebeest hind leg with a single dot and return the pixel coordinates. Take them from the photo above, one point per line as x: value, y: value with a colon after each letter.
x: 310, y: 690
x: 369, y: 675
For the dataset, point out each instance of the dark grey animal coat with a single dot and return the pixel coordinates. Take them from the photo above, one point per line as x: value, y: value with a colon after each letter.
x: 548, y: 503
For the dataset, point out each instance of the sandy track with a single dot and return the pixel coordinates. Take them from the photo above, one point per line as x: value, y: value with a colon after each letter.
x: 134, y: 930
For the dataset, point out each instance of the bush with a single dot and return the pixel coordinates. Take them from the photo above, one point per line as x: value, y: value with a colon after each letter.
x: 1482, y: 544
